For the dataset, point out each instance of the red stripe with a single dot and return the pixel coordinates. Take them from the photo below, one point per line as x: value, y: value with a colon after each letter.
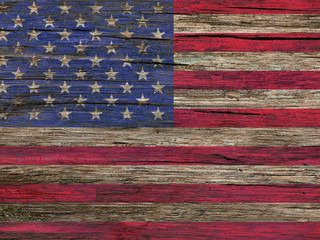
x: 246, y: 80
x: 164, y: 231
x: 247, y: 118
x: 168, y: 193
x: 247, y: 42
x: 247, y: 7
x: 159, y: 155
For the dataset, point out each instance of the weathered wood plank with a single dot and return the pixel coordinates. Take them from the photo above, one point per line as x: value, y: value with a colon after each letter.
x: 158, y: 193
x: 165, y: 174
x: 276, y: 99
x: 161, y: 231
x: 247, y: 61
x: 193, y: 137
x: 161, y: 212
x: 246, y: 23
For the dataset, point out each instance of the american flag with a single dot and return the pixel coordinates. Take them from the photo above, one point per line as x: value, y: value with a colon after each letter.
x: 160, y: 119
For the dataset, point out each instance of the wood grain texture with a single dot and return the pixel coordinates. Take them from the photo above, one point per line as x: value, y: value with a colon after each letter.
x: 161, y: 212
x: 247, y: 61
x: 246, y: 6
x: 192, y: 137
x: 153, y: 174
x: 158, y: 193
x: 161, y: 231
x: 242, y: 80
x: 232, y: 42
x: 160, y: 155
x: 252, y: 99
x: 247, y: 118
x: 246, y: 23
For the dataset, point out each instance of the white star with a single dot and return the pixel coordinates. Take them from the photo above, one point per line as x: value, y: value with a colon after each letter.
x: 65, y: 8
x: 3, y: 8
x: 3, y: 87
x: 80, y: 47
x: 49, y: 22
x: 158, y: 114
x: 49, y: 100
x: 34, y: 8
x: 158, y: 88
x: 3, y: 61
x: 65, y: 35
x: 127, y: 114
x: 80, y: 74
x: 49, y: 74
x: 158, y: 34
x: 65, y: 61
x: 18, y: 74
x: 142, y: 74
x: 49, y: 48
x: 65, y: 87
x: 96, y: 114
x: 96, y: 61
x: 96, y: 8
x: 127, y: 61
x: 80, y: 101
x: 95, y: 35
x: 111, y: 21
x: 18, y: 48
x: 157, y: 8
x: 34, y: 87
x: 18, y: 22
x: 111, y: 74
x: 65, y: 114
x: 142, y: 48
x: 111, y: 48
x: 112, y: 100
x: 143, y: 100
x: 127, y: 34
x: 34, y: 35
x: 4, y: 116
x: 127, y: 8
x: 3, y: 35
x: 34, y: 61
x: 158, y: 61
x: 142, y: 21
x: 126, y: 88
x: 80, y: 22
x: 34, y: 114
x: 95, y: 88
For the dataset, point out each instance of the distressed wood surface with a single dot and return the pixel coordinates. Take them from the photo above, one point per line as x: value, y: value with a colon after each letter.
x: 247, y: 61
x: 246, y: 23
x: 161, y: 212
x: 153, y: 174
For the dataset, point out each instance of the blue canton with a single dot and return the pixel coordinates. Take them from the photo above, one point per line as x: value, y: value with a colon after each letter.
x: 86, y: 63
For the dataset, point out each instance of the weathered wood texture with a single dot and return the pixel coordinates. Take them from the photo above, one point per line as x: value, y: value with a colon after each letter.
x: 158, y: 193
x: 161, y: 212
x: 247, y: 61
x: 161, y: 231
x: 275, y: 99
x: 160, y: 155
x: 153, y: 174
x: 238, y: 80
x: 246, y: 23
x: 289, y: 137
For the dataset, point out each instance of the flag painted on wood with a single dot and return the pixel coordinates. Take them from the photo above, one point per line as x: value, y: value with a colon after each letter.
x: 159, y: 119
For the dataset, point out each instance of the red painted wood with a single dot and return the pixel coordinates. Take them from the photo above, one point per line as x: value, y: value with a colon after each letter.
x: 164, y: 231
x: 247, y: 7
x: 159, y: 155
x: 156, y: 193
x: 246, y: 80
x: 247, y: 118
x: 286, y: 42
